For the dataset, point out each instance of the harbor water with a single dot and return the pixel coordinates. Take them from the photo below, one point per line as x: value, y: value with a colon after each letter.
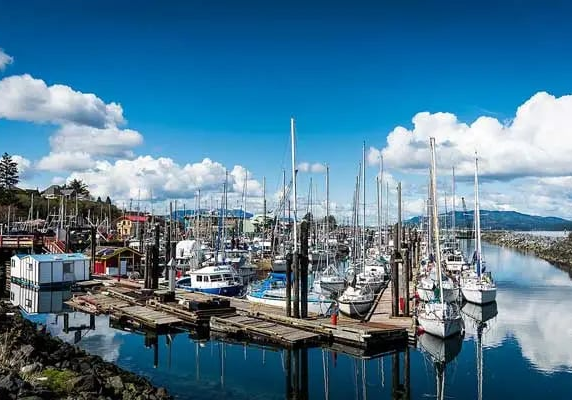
x: 526, y: 352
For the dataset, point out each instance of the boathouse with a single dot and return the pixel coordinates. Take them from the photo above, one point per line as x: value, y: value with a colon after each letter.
x: 49, y: 270
x: 116, y: 260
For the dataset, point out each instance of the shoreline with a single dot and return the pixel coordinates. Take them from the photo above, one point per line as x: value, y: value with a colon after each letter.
x: 555, y: 250
x: 35, y: 365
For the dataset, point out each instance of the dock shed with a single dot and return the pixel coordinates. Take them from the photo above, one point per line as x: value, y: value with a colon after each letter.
x: 48, y: 270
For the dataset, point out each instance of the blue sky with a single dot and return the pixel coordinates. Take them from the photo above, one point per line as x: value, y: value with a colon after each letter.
x: 220, y: 79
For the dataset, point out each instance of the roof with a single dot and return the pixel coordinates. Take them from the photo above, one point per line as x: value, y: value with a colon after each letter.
x: 58, y: 257
x: 106, y: 253
x: 136, y: 218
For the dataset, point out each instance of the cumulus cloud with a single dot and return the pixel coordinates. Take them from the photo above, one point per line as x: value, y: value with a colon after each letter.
x: 109, y: 141
x: 25, y: 169
x: 88, y: 126
x: 5, y: 59
x: 239, y: 175
x: 316, y: 168
x: 25, y: 98
x: 537, y: 142
x: 65, y: 161
x: 161, y: 178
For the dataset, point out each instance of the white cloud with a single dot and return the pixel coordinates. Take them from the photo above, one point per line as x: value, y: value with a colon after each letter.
x: 537, y: 142
x: 5, y: 59
x: 25, y: 169
x: 65, y: 161
x: 25, y: 98
x: 162, y: 178
x: 109, y: 141
x: 239, y: 174
x: 316, y: 168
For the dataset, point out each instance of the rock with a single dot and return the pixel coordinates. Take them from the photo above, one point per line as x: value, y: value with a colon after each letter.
x: 84, y: 383
x: 10, y: 383
x: 116, y: 383
x: 31, y: 368
x: 162, y: 393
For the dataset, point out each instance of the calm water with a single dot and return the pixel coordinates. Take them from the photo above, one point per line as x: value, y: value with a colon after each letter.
x: 527, y: 351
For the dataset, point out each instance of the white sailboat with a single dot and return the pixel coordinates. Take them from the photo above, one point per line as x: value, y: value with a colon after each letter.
x: 438, y: 317
x: 478, y: 286
x: 358, y: 298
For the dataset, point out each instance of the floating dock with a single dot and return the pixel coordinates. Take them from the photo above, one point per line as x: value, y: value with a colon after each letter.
x: 241, y: 320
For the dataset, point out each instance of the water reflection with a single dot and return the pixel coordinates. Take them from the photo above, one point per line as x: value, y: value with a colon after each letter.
x: 514, y: 348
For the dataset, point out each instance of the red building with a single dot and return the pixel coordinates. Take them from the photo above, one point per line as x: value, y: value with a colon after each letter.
x: 109, y: 259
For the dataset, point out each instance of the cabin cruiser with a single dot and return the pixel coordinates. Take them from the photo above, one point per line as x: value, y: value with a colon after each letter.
x: 219, y: 279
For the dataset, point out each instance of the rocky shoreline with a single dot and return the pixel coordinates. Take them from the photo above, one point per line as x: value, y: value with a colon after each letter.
x: 34, y: 366
x: 556, y: 250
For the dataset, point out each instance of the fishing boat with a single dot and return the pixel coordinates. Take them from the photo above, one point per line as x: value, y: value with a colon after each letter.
x: 218, y: 279
x: 438, y: 317
x: 478, y: 286
x: 272, y: 292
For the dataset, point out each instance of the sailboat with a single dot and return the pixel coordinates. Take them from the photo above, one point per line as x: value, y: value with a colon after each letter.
x: 438, y: 317
x: 272, y: 290
x: 357, y: 299
x: 330, y: 280
x: 478, y: 316
x: 478, y: 286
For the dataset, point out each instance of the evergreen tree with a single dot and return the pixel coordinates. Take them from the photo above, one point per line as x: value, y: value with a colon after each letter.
x: 99, y: 199
x: 107, y: 200
x: 8, y: 172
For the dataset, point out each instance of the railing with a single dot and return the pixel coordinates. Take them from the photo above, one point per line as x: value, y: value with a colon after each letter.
x: 17, y: 241
x: 54, y: 246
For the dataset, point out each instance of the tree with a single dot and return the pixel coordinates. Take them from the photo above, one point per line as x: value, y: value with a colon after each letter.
x: 108, y: 200
x: 308, y: 217
x: 99, y: 199
x: 79, y: 186
x: 8, y: 172
x: 332, y: 223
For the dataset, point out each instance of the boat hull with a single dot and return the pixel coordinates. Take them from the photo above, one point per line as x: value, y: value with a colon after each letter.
x: 355, y: 309
x: 229, y: 291
x: 314, y: 307
x: 441, y: 328
x: 279, y: 266
x: 480, y: 295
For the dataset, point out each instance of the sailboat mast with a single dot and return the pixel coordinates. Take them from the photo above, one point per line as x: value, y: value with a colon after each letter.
x: 435, y: 216
x: 327, y: 215
x: 363, y: 184
x: 477, y: 219
x: 294, y: 193
x: 453, y: 216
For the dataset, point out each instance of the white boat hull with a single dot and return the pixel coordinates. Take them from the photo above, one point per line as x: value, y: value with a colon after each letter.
x: 279, y: 266
x: 355, y: 309
x: 440, y: 328
x: 314, y: 307
x: 479, y: 296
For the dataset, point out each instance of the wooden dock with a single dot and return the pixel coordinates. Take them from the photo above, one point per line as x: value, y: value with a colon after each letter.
x: 240, y: 319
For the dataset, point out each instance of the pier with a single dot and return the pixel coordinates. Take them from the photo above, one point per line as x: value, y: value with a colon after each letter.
x: 239, y: 320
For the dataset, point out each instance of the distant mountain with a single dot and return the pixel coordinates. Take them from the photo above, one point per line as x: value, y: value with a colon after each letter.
x: 503, y: 220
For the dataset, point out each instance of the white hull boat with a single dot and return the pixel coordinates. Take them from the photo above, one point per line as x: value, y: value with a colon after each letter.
x: 441, y: 320
x: 355, y: 302
x: 479, y: 292
x: 317, y: 304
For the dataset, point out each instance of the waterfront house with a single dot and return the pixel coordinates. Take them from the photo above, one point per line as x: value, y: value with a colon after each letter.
x: 116, y: 260
x: 49, y: 270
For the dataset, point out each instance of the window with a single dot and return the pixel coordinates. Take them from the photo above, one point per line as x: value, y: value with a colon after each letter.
x: 227, y: 276
x: 12, y: 296
x: 68, y: 267
x: 13, y: 264
x: 29, y: 303
x: 216, y: 278
x: 199, y: 278
x: 30, y: 266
